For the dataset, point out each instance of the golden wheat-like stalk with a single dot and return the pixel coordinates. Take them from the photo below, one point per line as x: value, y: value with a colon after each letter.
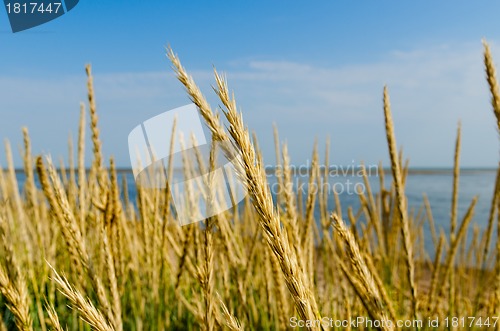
x: 492, y: 81
x: 98, y: 160
x: 88, y: 312
x: 360, y: 276
x: 231, y: 322
x: 400, y: 201
x: 380, y: 285
x: 48, y: 191
x: 436, y: 272
x: 28, y: 170
x: 495, y: 102
x: 25, y: 227
x: 113, y: 283
x: 75, y: 238
x: 13, y: 286
x: 197, y: 97
x: 2, y: 324
x: 17, y: 301
x: 430, y: 219
x: 453, y: 221
x: 449, y: 266
x: 81, y: 167
x: 291, y: 210
x: 456, y: 177
x: 255, y: 182
x: 206, y: 273
x: 491, y: 220
x: 53, y: 317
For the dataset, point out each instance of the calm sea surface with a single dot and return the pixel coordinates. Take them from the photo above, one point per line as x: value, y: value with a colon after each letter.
x: 436, y: 184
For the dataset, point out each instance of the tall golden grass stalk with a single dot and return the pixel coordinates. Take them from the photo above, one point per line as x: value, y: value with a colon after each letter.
x: 453, y: 220
x: 360, y: 276
x: 93, y: 120
x: 495, y: 102
x: 449, y: 266
x: 75, y: 238
x: 17, y: 299
x: 53, y: 317
x: 436, y: 273
x: 13, y: 284
x: 231, y: 322
x: 400, y: 202
x: 88, y: 312
x: 81, y: 167
x: 255, y: 182
x: 491, y: 78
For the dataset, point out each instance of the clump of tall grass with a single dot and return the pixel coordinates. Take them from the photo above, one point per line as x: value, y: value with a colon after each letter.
x: 78, y: 253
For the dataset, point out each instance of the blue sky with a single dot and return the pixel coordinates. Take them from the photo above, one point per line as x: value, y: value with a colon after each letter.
x: 316, y: 69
